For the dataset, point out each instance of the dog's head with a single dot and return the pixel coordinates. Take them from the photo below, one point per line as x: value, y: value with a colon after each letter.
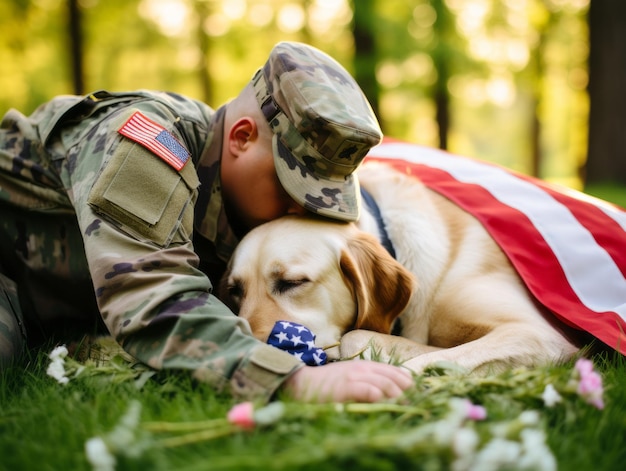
x: 328, y: 276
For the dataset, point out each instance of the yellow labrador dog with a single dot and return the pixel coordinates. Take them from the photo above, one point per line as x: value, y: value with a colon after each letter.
x: 451, y: 291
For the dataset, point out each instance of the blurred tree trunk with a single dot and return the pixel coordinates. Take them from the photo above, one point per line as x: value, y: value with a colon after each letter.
x: 202, y: 10
x: 442, y: 102
x: 537, y: 61
x: 365, y: 55
x: 606, y: 155
x: 441, y: 55
x: 76, y: 46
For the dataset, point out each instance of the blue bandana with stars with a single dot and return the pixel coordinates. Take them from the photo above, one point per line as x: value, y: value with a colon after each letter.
x: 299, y: 341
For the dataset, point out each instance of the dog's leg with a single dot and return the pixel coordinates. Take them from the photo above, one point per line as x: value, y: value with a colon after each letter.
x: 369, y: 345
x: 503, y: 348
x: 507, y: 346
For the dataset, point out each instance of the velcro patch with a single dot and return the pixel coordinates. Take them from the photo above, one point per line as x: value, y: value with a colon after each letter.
x: 156, y: 138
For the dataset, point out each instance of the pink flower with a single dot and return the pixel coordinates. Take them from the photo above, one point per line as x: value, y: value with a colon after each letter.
x: 596, y: 401
x: 247, y: 417
x: 475, y: 412
x: 242, y: 414
x: 584, y: 366
x: 590, y: 384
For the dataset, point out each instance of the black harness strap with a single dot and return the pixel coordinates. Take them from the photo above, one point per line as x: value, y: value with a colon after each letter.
x: 385, y: 241
x: 375, y: 210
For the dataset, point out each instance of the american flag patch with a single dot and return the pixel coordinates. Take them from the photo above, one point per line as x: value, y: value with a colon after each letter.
x: 156, y: 138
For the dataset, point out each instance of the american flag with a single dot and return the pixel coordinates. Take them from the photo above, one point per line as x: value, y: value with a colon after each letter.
x: 156, y: 138
x: 569, y: 248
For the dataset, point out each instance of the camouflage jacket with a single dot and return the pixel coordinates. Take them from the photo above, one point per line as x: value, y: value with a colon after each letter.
x: 98, y: 228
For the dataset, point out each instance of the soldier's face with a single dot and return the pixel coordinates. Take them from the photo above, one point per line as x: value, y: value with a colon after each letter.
x: 254, y: 194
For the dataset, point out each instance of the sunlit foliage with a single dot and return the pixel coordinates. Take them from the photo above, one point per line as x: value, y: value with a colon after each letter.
x: 514, y: 70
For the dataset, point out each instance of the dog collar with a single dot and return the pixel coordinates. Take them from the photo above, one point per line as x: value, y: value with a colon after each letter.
x: 375, y: 210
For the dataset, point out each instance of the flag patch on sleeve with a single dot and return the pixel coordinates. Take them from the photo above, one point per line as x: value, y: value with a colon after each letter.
x: 156, y: 138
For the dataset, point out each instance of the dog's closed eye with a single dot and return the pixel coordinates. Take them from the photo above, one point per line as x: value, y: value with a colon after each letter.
x: 282, y: 286
x: 235, y: 290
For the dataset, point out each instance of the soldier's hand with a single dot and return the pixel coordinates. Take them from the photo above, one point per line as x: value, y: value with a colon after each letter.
x: 348, y: 381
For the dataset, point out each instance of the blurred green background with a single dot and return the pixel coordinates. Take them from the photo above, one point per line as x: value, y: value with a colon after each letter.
x: 501, y: 80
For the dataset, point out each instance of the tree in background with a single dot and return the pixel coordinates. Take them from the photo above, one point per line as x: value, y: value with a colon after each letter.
x: 501, y: 81
x: 443, y: 53
x: 75, y: 38
x: 606, y: 158
x: 366, y: 53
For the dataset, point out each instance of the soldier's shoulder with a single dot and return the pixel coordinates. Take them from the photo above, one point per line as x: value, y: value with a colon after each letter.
x: 185, y: 107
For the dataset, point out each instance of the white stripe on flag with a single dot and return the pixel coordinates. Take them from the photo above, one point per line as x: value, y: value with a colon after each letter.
x: 590, y: 270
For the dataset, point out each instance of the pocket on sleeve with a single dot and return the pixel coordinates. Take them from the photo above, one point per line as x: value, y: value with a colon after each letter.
x: 144, y: 196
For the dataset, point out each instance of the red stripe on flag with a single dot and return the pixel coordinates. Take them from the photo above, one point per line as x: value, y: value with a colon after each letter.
x: 611, y: 235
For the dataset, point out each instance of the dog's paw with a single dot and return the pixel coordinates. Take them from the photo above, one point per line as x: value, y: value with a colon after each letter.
x: 433, y: 366
x: 356, y: 344
x: 370, y: 345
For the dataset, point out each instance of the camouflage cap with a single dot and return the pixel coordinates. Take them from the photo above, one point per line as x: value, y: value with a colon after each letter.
x: 323, y: 127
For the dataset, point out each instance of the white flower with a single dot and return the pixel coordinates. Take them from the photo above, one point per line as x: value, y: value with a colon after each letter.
x: 460, y: 410
x: 536, y: 454
x: 497, y: 454
x: 125, y: 437
x: 465, y: 442
x: 98, y: 455
x: 59, y: 352
x: 444, y: 430
x: 533, y: 438
x: 529, y: 418
x: 550, y: 396
x: 56, y: 369
x: 462, y: 463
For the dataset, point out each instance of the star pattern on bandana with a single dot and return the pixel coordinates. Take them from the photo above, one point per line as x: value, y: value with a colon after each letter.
x: 298, y: 340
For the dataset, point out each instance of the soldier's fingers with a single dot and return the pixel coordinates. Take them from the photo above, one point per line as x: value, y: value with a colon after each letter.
x: 360, y: 381
x: 395, y: 375
x: 379, y: 381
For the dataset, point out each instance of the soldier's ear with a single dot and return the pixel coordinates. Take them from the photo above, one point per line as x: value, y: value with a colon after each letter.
x: 241, y: 134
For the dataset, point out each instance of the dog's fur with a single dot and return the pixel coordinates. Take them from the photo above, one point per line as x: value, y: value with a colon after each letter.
x: 457, y: 296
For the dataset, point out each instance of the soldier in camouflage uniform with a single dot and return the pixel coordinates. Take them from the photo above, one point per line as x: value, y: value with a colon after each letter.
x: 119, y: 210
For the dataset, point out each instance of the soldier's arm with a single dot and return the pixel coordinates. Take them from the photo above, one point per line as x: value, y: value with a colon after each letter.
x: 136, y: 214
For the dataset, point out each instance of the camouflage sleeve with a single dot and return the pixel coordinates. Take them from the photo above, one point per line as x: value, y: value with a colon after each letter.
x: 136, y: 215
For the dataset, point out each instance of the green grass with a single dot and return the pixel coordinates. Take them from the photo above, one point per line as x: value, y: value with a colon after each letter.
x: 44, y: 425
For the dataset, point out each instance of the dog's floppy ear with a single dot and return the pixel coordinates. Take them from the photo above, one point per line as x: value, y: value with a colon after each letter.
x: 382, y: 286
